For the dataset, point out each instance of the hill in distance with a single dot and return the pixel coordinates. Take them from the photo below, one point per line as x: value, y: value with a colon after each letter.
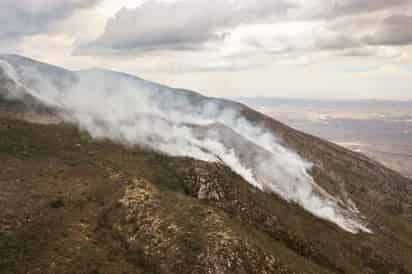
x: 104, y: 172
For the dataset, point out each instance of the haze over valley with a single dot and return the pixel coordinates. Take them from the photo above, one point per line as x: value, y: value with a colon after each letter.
x: 380, y: 129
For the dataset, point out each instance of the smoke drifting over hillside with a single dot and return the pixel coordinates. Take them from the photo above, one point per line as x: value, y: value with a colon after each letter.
x: 180, y: 123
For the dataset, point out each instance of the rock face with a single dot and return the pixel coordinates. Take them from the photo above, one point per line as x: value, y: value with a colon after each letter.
x: 74, y: 205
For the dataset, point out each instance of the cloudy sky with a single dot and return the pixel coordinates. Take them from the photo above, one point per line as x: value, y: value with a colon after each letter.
x: 280, y: 48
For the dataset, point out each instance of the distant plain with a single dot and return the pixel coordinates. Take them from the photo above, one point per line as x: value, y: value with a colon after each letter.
x: 382, y: 130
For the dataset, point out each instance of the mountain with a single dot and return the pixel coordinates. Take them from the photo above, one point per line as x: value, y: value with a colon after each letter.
x: 104, y: 172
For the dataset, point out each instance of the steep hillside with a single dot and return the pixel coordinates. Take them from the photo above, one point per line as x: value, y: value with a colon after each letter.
x: 85, y: 201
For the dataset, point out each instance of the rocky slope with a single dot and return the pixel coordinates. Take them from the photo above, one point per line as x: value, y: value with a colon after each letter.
x: 73, y: 204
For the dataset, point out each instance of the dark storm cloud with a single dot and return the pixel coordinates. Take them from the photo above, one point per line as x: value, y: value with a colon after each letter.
x: 333, y: 9
x: 394, y: 30
x: 19, y: 18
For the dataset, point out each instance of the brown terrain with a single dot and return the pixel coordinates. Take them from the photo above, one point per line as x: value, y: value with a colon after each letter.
x: 71, y: 204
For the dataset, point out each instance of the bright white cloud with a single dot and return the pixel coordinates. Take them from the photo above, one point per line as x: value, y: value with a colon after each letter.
x: 181, y: 25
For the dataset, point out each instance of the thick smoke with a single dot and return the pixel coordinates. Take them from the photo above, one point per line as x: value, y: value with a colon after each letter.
x: 132, y: 111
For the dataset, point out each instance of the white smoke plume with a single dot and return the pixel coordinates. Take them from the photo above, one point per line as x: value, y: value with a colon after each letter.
x: 132, y: 111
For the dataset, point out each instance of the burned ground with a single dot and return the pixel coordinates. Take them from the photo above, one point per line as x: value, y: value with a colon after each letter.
x: 75, y: 205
